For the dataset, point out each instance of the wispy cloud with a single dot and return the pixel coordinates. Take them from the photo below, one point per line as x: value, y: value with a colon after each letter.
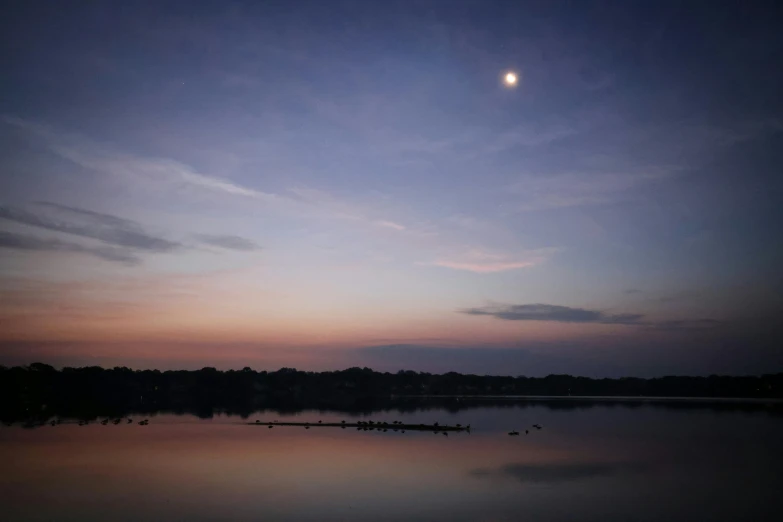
x: 229, y: 242
x: 106, y: 228
x: 390, y: 224
x: 157, y: 170
x: 680, y: 296
x: 485, y: 262
x: 677, y: 148
x: 527, y: 136
x: 112, y: 230
x: 23, y: 242
x: 581, y: 189
x: 166, y: 173
x: 567, y: 314
x: 484, y: 268
x: 547, y: 312
x: 688, y: 324
x: 476, y: 143
x: 103, y: 159
x: 106, y: 219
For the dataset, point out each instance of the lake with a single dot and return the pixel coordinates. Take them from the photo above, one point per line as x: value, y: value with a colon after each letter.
x: 589, y: 462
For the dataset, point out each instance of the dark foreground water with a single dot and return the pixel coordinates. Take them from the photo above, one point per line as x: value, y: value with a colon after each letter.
x: 600, y: 463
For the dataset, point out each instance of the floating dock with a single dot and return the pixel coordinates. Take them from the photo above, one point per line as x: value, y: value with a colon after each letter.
x: 367, y: 425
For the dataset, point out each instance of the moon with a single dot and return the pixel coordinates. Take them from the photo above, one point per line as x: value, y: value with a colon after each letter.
x: 510, y: 79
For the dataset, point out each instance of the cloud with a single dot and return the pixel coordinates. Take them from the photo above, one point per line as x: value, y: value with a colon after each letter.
x: 216, y: 184
x: 683, y: 295
x: 582, y: 189
x: 229, y: 242
x: 157, y: 169
x: 390, y: 224
x: 547, y: 312
x: 484, y: 268
x: 610, y: 176
x: 109, y: 229
x: 107, y: 219
x: 688, y: 324
x: 475, y: 143
x: 633, y: 291
x: 13, y: 241
x: 90, y: 155
x: 557, y: 473
x: 485, y: 262
x: 567, y: 314
x: 160, y: 172
x: 528, y: 136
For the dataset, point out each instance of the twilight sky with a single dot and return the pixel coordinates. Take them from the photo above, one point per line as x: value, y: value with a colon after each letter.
x: 330, y: 184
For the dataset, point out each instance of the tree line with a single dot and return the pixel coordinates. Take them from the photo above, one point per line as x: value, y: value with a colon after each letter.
x: 40, y: 389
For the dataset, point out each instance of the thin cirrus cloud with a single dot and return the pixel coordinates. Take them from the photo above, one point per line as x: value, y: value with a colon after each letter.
x: 556, y: 313
x: 229, y: 242
x: 164, y: 171
x: 567, y: 314
x: 123, y: 239
x: 88, y: 154
x: 581, y: 189
x: 484, y: 268
x: 688, y: 324
x: 132, y: 167
x: 106, y: 228
x: 390, y: 224
x: 483, y: 262
x: 29, y: 243
x: 680, y: 147
x: 298, y: 201
x: 527, y: 136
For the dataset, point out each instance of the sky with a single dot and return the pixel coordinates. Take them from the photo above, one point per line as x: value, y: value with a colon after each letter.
x: 323, y: 185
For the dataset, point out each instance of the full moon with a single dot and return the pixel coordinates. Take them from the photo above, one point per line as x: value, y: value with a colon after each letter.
x: 510, y: 79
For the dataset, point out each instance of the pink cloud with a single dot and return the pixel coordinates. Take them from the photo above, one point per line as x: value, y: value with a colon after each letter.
x: 485, y: 268
x: 390, y: 224
x: 484, y: 262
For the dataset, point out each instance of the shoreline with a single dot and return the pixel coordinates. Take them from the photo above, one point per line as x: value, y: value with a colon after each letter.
x: 599, y: 398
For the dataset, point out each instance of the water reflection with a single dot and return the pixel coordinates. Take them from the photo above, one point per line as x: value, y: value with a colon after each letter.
x: 598, y: 463
x: 86, y: 411
x: 557, y: 472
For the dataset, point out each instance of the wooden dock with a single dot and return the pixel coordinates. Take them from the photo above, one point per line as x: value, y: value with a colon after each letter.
x: 368, y: 426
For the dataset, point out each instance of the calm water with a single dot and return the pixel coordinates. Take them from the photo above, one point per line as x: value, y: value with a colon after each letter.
x: 601, y: 463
